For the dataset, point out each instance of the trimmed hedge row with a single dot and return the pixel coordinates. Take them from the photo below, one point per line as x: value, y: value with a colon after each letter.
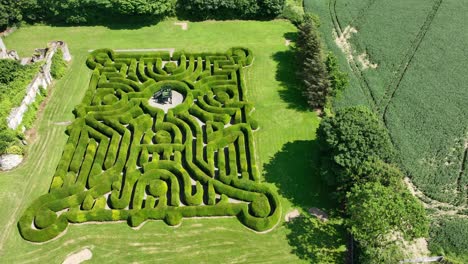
x: 126, y: 160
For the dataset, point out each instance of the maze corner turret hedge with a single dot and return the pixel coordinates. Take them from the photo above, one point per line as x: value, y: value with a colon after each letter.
x: 126, y: 160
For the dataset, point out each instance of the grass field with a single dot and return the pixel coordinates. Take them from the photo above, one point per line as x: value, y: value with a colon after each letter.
x: 418, y: 87
x: 285, y: 148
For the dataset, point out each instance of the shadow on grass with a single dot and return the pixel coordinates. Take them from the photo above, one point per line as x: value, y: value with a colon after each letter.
x: 315, y: 241
x: 286, y: 73
x: 295, y: 171
x: 114, y: 22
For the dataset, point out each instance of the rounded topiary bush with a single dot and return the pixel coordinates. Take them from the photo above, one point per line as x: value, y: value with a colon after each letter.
x: 260, y: 207
x: 45, y: 219
x: 253, y: 124
x: 163, y: 136
x: 157, y: 188
x: 173, y: 218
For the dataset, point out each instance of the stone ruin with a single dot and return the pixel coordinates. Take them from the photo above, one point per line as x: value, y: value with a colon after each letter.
x: 42, y: 79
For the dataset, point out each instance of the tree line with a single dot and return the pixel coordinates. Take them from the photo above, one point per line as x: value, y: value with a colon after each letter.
x: 97, y: 11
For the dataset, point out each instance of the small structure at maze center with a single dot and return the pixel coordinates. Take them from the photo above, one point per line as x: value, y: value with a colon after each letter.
x: 163, y: 96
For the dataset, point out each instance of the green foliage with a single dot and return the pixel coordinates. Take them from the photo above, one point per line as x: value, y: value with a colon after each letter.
x: 15, y: 149
x: 153, y: 162
x: 10, y: 13
x: 448, y: 237
x: 14, y: 80
x: 293, y: 11
x: 316, y: 241
x: 269, y: 141
x: 389, y: 253
x: 375, y: 211
x: 141, y: 7
x: 229, y: 9
x: 7, y: 137
x: 30, y: 116
x: 312, y: 70
x: 10, y: 70
x: 338, y: 79
x: 351, y: 139
x: 78, y: 11
x: 59, y: 66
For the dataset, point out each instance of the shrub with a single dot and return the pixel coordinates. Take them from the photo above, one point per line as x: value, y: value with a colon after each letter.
x: 375, y: 210
x: 59, y: 66
x: 338, y: 79
x: 448, y: 237
x: 9, y: 70
x: 15, y: 149
x: 293, y: 11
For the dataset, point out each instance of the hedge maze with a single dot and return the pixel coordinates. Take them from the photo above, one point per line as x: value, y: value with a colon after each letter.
x: 128, y: 161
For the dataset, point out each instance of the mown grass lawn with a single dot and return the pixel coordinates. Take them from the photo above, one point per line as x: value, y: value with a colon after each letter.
x: 285, y: 149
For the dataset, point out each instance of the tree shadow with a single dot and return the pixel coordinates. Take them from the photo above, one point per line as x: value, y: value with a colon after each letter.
x: 286, y: 73
x: 114, y: 22
x: 316, y: 241
x: 295, y: 170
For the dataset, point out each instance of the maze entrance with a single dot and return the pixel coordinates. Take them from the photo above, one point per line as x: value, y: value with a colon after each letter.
x: 127, y: 160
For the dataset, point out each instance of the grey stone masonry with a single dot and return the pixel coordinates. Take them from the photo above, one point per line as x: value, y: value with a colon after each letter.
x: 42, y: 79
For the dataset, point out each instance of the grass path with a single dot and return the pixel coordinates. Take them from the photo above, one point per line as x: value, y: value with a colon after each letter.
x: 286, y: 131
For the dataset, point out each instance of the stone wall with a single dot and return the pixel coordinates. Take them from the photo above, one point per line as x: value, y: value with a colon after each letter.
x: 43, y: 78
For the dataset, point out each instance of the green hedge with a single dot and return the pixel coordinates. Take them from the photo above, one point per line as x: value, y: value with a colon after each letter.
x: 147, y: 164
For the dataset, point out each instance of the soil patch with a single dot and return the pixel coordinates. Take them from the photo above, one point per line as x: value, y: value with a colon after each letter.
x: 183, y: 25
x: 78, y: 257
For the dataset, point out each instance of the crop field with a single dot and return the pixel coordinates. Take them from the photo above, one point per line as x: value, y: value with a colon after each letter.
x: 408, y: 61
x: 282, y: 147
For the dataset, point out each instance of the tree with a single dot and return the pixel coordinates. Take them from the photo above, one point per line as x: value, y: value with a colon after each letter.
x: 313, y: 71
x: 376, y: 213
x: 352, y: 142
x: 10, y: 13
x: 338, y: 79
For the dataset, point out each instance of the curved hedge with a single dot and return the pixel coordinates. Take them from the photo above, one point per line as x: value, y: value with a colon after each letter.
x: 126, y: 160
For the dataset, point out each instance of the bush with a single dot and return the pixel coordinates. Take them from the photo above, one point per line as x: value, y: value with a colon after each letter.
x: 229, y: 9
x: 15, y: 149
x: 293, y: 11
x: 59, y: 66
x: 9, y: 70
x: 375, y: 210
x: 338, y: 79
x: 448, y: 237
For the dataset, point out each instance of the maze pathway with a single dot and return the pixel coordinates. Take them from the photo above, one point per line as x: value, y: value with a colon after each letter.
x: 126, y: 160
